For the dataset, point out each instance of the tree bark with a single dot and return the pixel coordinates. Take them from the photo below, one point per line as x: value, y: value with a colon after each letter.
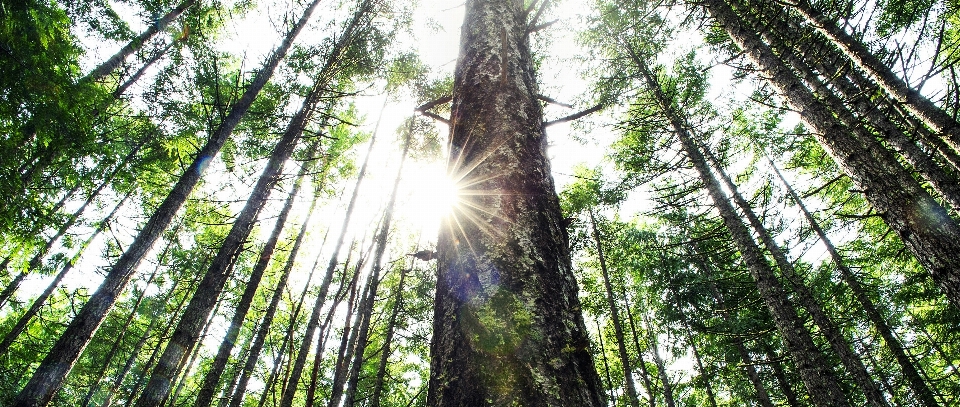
x: 661, y: 366
x: 822, y: 385
x: 917, y: 384
x: 507, y: 322
x: 198, y: 311
x: 49, y: 376
x: 111, y: 64
x: 615, y: 317
x: 923, y: 225
x: 897, y: 88
x: 644, y: 372
x: 212, y: 378
x: 850, y: 359
x: 379, y: 381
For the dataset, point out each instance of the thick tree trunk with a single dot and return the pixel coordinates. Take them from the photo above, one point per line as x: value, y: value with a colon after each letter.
x: 160, y: 24
x: 917, y: 384
x: 838, y: 342
x: 132, y: 358
x: 212, y: 378
x: 923, y: 225
x: 54, y: 368
x: 898, y: 89
x: 821, y: 383
x: 615, y: 317
x: 507, y: 323
x: 184, y: 368
x: 804, y: 62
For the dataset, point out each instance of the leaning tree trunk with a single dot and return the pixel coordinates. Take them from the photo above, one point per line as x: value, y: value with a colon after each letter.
x: 838, y: 342
x: 602, y: 350
x: 53, y: 370
x: 749, y: 367
x: 187, y: 333
x: 785, y: 386
x: 508, y: 329
x: 615, y: 316
x: 661, y: 366
x: 366, y: 308
x: 160, y: 24
x: 259, y: 339
x: 34, y: 309
x: 644, y: 372
x: 380, y: 379
x: 924, y: 226
x: 897, y: 88
x: 914, y: 380
x: 821, y: 383
x: 211, y: 379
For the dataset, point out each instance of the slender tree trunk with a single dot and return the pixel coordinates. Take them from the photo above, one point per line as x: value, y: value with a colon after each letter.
x: 895, y: 87
x: 508, y: 329
x: 54, y: 368
x: 780, y: 374
x: 661, y: 366
x: 143, y: 69
x: 644, y: 372
x: 24, y: 320
x: 704, y: 375
x: 615, y: 317
x: 38, y: 257
x: 850, y: 359
x: 821, y: 383
x: 367, y: 306
x: 184, y: 368
x: 923, y: 225
x: 379, y: 381
x: 259, y: 340
x: 212, y: 377
x: 917, y: 384
x: 111, y: 64
x: 606, y: 366
x: 347, y: 341
x: 749, y: 367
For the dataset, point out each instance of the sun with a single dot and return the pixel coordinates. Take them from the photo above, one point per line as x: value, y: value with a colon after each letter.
x: 433, y: 195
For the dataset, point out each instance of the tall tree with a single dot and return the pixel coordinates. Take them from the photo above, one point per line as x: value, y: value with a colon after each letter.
x: 49, y: 376
x: 507, y: 322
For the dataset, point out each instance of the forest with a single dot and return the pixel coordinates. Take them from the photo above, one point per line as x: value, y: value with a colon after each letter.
x: 481, y: 203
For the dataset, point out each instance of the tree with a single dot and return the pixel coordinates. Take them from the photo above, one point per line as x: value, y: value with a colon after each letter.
x: 507, y: 322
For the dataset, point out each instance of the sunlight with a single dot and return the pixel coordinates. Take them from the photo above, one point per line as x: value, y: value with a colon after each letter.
x: 433, y: 196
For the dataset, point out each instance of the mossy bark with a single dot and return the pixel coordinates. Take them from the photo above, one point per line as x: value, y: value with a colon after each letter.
x: 508, y: 328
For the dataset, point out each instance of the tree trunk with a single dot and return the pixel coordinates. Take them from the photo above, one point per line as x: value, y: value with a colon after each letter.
x: 615, y: 317
x: 160, y: 24
x: 898, y: 89
x: 923, y: 225
x: 212, y: 377
x: 704, y: 376
x: 260, y: 339
x: 661, y: 366
x: 24, y: 320
x: 507, y: 322
x: 644, y: 372
x: 606, y: 366
x: 198, y: 311
x: 54, y: 368
x: 822, y: 385
x: 917, y: 384
x: 850, y: 359
x: 347, y: 341
x: 184, y: 368
x: 379, y: 381
x: 780, y: 374
x: 366, y: 307
x: 38, y: 257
